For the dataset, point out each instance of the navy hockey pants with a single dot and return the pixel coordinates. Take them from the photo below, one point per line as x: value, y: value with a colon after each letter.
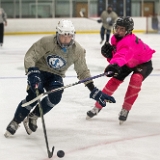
x: 50, y: 81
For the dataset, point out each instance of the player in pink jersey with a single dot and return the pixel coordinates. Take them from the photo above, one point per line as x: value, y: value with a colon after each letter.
x: 126, y: 54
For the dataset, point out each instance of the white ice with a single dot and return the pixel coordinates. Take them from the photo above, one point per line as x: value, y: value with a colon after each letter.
x: 100, y: 138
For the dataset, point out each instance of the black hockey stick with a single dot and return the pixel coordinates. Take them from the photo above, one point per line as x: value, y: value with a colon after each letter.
x: 50, y: 153
x: 61, y: 88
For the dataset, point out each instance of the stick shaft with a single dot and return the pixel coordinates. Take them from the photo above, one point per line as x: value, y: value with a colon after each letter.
x: 61, y: 88
x: 76, y: 83
x: 44, y: 126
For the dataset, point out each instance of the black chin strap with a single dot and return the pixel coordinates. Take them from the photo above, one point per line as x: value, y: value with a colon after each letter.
x: 118, y: 38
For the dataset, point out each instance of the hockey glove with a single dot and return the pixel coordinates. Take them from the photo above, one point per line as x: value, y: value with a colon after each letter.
x: 110, y: 23
x: 101, y: 97
x: 99, y: 20
x: 106, y: 50
x: 34, y: 78
x: 112, y: 70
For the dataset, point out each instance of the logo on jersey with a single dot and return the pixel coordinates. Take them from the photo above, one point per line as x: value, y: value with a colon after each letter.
x: 55, y: 62
x: 108, y: 19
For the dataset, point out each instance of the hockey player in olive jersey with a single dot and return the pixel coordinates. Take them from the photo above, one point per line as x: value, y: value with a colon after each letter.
x: 46, y: 63
x: 107, y: 18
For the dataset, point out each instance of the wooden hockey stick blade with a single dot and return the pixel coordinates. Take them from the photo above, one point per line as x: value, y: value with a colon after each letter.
x: 81, y: 13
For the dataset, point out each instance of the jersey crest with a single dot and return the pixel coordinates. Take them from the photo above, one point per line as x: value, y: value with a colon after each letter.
x: 108, y: 19
x: 55, y: 62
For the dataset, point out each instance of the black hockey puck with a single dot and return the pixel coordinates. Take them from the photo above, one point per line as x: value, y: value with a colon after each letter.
x: 60, y: 153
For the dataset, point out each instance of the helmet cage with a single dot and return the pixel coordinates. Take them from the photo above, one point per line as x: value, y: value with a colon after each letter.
x: 65, y: 45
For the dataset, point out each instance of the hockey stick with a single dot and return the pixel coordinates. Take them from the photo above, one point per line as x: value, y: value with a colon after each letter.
x: 50, y: 154
x: 82, y: 15
x: 61, y: 88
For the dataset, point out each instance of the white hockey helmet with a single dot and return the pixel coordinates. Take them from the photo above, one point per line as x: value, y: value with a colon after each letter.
x: 65, y: 27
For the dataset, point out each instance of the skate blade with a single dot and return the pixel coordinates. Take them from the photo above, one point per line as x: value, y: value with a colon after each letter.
x: 121, y: 122
x: 88, y: 118
x: 7, y: 134
x: 28, y: 130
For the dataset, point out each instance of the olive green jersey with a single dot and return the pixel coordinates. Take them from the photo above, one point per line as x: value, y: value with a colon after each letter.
x: 48, y: 56
x: 108, y: 19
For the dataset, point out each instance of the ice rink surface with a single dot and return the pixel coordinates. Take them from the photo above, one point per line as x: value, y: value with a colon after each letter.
x: 100, y: 138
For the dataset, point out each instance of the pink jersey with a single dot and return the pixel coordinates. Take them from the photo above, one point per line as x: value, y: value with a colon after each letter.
x: 130, y: 51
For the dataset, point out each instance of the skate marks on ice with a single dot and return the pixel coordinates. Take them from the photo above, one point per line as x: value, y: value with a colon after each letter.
x: 99, y: 138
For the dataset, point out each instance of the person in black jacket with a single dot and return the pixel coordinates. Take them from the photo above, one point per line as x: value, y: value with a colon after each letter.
x: 3, y: 21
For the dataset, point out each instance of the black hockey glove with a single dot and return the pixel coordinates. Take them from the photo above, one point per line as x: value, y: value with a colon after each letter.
x: 112, y: 70
x: 99, y: 20
x: 110, y: 23
x: 101, y: 97
x: 34, y: 78
x: 106, y: 50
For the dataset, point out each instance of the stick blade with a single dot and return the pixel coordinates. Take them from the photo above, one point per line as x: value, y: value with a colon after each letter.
x: 50, y: 154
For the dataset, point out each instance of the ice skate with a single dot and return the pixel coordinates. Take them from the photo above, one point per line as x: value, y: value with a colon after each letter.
x: 92, y: 112
x: 123, y: 116
x: 101, y: 41
x: 30, y: 123
x: 11, y: 129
